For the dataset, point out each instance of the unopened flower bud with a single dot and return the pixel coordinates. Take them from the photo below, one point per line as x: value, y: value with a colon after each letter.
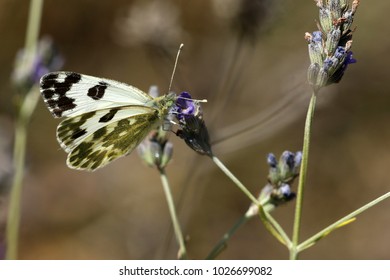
x: 332, y: 41
x: 166, y: 154
x: 271, y: 160
x: 335, y: 8
x: 326, y: 20
x: 284, y: 170
x: 316, y: 50
x: 322, y: 78
x: 312, y: 73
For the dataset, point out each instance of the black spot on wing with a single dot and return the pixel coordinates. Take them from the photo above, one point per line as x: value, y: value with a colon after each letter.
x: 54, y: 92
x: 48, y: 80
x: 71, y: 128
x: 85, y: 157
x: 97, y: 92
x: 107, y: 117
x: 78, y: 134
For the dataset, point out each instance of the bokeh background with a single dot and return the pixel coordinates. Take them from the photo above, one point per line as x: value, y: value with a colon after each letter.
x: 249, y: 59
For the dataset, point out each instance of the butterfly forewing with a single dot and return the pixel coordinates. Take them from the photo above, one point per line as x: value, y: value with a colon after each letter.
x: 69, y: 94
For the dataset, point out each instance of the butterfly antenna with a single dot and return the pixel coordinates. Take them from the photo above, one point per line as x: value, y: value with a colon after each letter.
x: 174, y: 67
x: 191, y: 99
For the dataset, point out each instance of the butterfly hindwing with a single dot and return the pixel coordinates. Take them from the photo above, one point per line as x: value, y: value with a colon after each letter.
x: 92, y: 145
x: 72, y: 131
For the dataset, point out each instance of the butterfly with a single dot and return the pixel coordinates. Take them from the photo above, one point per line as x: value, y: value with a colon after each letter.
x: 104, y: 119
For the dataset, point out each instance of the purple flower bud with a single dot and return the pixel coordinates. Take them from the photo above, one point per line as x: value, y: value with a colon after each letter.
x: 336, y: 77
x: 281, y: 195
x: 287, y: 159
x: 298, y: 160
x: 339, y: 53
x: 285, y: 190
x: 271, y: 160
x: 284, y: 171
x: 317, y: 37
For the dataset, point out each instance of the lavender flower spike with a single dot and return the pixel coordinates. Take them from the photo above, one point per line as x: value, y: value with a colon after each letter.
x: 329, y: 47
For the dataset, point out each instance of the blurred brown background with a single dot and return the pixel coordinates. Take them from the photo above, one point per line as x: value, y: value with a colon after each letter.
x: 120, y: 212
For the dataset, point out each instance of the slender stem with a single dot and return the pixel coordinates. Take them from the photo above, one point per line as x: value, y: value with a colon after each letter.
x: 222, y: 243
x: 235, y: 180
x: 279, y: 233
x: 269, y: 222
x: 302, y: 177
x: 26, y: 110
x: 13, y: 220
x: 307, y: 243
x: 172, y: 211
x: 33, y: 25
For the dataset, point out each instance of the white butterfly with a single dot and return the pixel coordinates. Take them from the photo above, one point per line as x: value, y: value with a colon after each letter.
x: 105, y: 119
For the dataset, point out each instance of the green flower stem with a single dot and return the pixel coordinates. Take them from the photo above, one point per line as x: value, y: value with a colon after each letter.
x: 222, y: 243
x: 33, y: 26
x: 268, y: 221
x: 26, y: 110
x: 235, y: 180
x: 302, y: 177
x: 274, y: 228
x: 13, y: 220
x: 182, y: 254
x: 310, y: 241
